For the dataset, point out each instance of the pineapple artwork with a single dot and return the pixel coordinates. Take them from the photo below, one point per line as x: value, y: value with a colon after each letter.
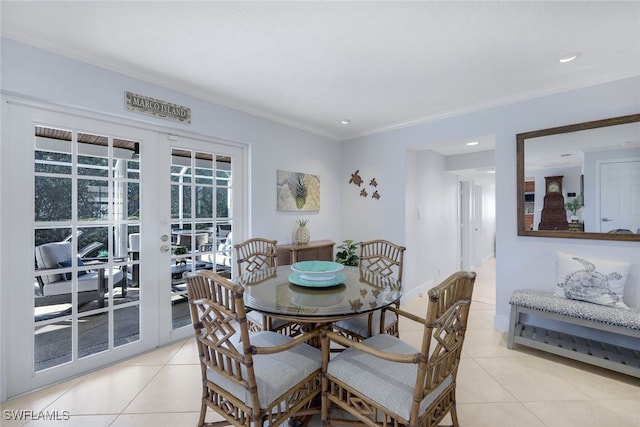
x: 298, y: 191
x: 301, y: 192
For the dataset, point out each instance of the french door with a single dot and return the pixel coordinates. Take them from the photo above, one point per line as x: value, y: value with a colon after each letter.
x: 201, y: 188
x: 107, y: 217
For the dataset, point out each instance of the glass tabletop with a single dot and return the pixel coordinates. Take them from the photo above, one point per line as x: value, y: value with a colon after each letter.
x: 348, y: 294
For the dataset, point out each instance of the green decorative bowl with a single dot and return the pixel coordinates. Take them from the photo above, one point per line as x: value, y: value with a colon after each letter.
x: 317, y: 270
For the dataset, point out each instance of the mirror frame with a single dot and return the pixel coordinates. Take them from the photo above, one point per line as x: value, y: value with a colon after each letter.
x: 520, y: 141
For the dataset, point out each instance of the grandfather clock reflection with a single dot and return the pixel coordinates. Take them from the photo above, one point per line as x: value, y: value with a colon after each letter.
x: 554, y: 215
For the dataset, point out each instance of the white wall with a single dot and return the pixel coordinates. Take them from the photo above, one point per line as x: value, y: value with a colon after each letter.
x: 485, y: 240
x: 32, y: 73
x: 431, y: 219
x: 522, y: 262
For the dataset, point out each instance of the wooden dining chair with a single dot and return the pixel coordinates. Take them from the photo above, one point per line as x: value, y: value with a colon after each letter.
x: 255, y: 254
x: 248, y: 379
x: 252, y: 256
x: 383, y: 381
x: 383, y: 258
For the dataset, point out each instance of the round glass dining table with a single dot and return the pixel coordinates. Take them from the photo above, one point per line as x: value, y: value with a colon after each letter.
x: 349, y: 294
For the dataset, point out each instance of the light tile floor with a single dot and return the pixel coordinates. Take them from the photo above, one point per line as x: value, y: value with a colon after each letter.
x: 496, y: 386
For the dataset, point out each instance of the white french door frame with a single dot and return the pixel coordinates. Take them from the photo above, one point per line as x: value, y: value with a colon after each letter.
x: 166, y: 144
x: 17, y: 222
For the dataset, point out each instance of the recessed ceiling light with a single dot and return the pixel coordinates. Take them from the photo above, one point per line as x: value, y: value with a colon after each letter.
x: 569, y: 57
x: 345, y: 121
x: 472, y: 143
x: 491, y: 171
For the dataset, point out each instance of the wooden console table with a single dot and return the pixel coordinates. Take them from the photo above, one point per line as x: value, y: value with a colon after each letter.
x: 321, y: 250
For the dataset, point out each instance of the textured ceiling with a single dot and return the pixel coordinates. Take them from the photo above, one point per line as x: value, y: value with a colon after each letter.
x: 381, y: 65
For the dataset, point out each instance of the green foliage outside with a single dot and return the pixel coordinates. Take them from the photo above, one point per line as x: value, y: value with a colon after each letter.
x: 53, y: 197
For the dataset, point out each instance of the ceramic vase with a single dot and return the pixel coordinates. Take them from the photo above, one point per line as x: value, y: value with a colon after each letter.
x: 302, y: 235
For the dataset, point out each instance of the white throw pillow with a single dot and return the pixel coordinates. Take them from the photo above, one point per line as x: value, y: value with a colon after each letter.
x: 599, y: 281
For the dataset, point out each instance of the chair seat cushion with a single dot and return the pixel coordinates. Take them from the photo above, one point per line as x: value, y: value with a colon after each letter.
x: 218, y: 259
x: 257, y: 317
x: 49, y: 255
x: 275, y: 373
x: 67, y: 264
x: 359, y: 325
x: 389, y: 384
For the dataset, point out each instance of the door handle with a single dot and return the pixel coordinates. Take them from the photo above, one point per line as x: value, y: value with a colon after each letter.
x: 606, y: 220
x: 164, y: 248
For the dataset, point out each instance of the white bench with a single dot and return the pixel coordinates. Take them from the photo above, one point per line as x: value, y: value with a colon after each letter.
x: 617, y: 323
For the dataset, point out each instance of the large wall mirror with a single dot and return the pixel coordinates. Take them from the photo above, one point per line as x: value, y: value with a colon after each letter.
x: 581, y: 181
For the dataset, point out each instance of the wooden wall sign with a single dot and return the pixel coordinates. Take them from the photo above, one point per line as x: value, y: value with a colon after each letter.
x: 157, y: 108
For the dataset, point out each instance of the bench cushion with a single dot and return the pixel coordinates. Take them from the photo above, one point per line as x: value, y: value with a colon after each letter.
x: 547, y: 302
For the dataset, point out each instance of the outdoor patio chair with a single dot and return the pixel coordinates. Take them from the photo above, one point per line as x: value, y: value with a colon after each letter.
x: 386, y: 259
x: 249, y: 379
x: 385, y: 381
x: 222, y: 259
x: 55, y: 287
x: 184, y: 239
x: 251, y: 256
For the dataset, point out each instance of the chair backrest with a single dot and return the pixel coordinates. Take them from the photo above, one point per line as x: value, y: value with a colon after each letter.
x: 445, y: 327
x: 255, y: 254
x: 226, y: 247
x: 51, y: 255
x: 134, y: 242
x: 382, y: 257
x: 185, y: 240
x: 220, y: 326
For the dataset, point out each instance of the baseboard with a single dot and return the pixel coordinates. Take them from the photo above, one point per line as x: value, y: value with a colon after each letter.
x: 501, y: 323
x: 417, y: 292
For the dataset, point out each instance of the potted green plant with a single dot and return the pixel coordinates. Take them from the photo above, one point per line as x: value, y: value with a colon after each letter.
x: 347, y: 254
x: 180, y: 250
x: 574, y: 206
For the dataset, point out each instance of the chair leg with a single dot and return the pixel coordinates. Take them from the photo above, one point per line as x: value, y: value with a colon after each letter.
x: 324, y: 411
x: 203, y: 406
x: 325, y: 403
x: 101, y: 287
x: 123, y: 283
x: 454, y: 416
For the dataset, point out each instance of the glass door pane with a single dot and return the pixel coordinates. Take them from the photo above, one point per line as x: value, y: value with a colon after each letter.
x: 86, y: 300
x: 201, y: 220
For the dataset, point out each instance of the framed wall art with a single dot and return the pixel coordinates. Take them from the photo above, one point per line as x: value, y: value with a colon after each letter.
x: 298, y: 192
